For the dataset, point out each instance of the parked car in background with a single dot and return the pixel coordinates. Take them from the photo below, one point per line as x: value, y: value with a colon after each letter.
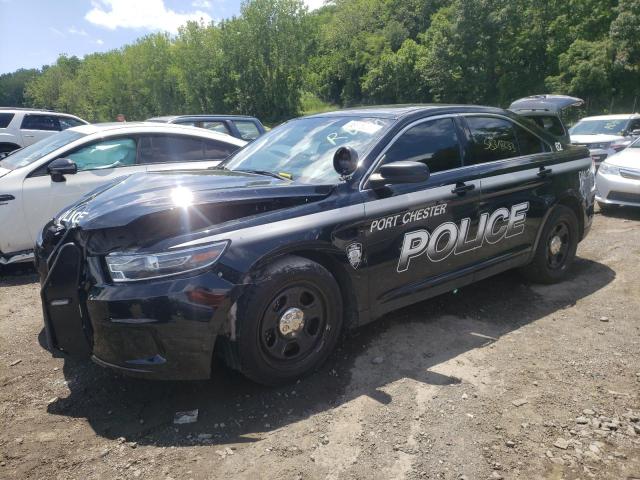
x: 239, y: 126
x: 605, y: 135
x: 20, y: 127
x: 38, y: 181
x: 546, y: 112
x: 618, y: 179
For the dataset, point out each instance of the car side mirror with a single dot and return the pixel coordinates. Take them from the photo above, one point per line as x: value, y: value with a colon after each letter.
x: 399, y: 172
x: 636, y: 132
x: 61, y: 167
x: 345, y: 161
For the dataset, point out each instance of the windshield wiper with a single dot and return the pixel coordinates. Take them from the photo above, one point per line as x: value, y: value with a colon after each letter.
x: 266, y: 173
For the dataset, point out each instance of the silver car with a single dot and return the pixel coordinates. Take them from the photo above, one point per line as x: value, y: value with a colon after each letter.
x: 618, y: 179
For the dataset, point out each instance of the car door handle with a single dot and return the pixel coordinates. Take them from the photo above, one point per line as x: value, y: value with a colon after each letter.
x: 462, y: 188
x: 544, y: 172
x: 29, y: 136
x: 6, y: 198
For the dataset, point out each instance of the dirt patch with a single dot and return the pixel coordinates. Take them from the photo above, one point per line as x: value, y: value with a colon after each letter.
x: 503, y: 379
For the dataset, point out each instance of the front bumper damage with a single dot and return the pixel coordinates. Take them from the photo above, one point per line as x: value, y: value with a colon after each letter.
x: 154, y: 329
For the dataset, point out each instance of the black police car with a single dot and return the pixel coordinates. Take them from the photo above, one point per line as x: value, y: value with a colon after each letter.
x: 326, y: 222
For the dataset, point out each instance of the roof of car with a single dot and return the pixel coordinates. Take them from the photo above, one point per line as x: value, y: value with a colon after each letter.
x: 169, y: 118
x: 35, y: 110
x: 150, y: 127
x: 398, y: 111
x: 625, y: 116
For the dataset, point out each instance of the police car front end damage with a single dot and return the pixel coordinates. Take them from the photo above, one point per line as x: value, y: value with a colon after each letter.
x: 325, y: 223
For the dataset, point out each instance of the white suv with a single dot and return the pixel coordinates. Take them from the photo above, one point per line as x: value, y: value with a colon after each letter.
x: 20, y: 127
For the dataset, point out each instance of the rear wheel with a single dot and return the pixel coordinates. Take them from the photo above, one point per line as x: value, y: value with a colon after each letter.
x: 556, y: 248
x: 289, y: 321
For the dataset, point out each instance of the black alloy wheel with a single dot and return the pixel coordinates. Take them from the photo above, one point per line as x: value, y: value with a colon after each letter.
x: 293, y: 323
x: 556, y: 248
x: 288, y: 321
x: 558, y: 243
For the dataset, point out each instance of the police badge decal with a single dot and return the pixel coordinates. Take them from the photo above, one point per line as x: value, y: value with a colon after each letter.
x: 354, y: 254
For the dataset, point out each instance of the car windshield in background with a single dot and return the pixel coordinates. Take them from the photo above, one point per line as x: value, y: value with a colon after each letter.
x: 595, y: 127
x: 28, y: 155
x: 303, y: 149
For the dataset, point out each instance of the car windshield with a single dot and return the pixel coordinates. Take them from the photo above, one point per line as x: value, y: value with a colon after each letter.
x: 303, y: 149
x: 28, y: 155
x: 595, y: 127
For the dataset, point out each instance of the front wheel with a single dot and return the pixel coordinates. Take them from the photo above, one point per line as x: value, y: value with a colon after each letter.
x: 556, y: 248
x: 289, y: 321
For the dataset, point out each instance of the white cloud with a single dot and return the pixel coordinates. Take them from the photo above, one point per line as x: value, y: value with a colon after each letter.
x: 314, y: 4
x: 56, y: 31
x: 201, y: 4
x: 100, y: 42
x: 75, y: 31
x: 145, y: 14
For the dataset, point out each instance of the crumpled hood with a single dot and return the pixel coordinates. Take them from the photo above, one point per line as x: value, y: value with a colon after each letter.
x: 627, y: 158
x: 196, y: 198
x: 599, y: 138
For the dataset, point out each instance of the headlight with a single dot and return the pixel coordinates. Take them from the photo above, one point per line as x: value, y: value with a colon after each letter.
x: 131, y: 268
x: 601, y: 146
x: 608, y: 169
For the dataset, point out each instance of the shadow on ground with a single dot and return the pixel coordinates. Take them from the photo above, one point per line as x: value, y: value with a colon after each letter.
x: 626, y: 213
x: 143, y: 411
x: 17, y: 274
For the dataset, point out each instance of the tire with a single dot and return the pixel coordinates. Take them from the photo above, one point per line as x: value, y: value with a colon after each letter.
x: 275, y: 348
x: 549, y: 267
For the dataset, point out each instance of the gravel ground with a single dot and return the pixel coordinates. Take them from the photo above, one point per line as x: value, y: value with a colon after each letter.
x: 503, y: 379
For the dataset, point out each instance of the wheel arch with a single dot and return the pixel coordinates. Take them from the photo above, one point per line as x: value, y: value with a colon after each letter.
x: 345, y: 282
x: 572, y: 202
x: 325, y: 255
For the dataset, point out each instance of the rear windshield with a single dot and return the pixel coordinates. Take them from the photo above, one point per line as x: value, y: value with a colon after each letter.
x: 5, y: 119
x: 595, y: 127
x: 28, y: 155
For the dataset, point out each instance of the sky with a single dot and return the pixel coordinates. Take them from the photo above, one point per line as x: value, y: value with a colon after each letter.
x: 35, y: 32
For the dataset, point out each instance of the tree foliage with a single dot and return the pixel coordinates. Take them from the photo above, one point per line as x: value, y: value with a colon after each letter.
x: 276, y: 55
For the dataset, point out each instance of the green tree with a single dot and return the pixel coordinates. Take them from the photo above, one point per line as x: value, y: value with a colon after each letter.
x: 12, y: 87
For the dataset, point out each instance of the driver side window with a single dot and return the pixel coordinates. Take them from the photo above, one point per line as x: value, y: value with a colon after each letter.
x: 120, y: 152
x: 434, y: 143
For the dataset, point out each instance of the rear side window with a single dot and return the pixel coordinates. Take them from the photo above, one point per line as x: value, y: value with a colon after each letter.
x: 5, y: 119
x: 68, y: 122
x: 171, y: 148
x: 216, y: 127
x: 248, y: 130
x: 120, y: 152
x: 433, y: 142
x: 214, y: 150
x: 492, y: 139
x: 529, y: 143
x: 40, y: 122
